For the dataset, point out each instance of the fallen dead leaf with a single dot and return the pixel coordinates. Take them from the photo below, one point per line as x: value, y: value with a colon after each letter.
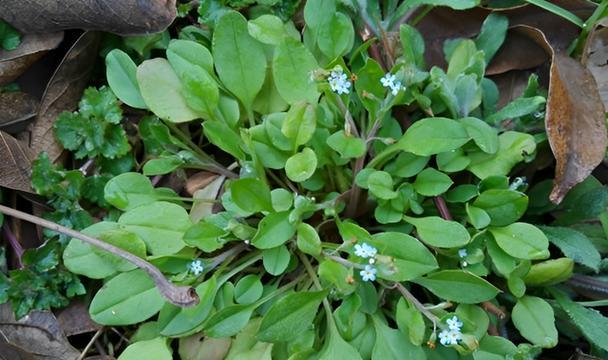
x: 15, y: 109
x: 595, y: 57
x: 38, y: 335
x: 123, y: 17
x: 33, y: 47
x: 203, y: 204
x: 15, y: 167
x: 518, y: 52
x: 198, y: 181
x: 575, y: 119
x: 75, y: 319
x: 63, y: 93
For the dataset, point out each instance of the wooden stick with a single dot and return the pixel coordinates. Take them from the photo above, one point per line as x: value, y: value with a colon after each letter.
x: 179, y: 295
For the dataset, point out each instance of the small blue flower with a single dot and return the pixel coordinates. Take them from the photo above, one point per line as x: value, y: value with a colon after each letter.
x: 462, y: 253
x: 454, y: 323
x: 365, y: 251
x: 338, y: 81
x: 368, y: 274
x: 196, y: 267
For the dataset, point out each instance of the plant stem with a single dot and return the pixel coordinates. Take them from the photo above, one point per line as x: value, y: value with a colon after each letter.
x: 344, y: 261
x: 14, y: 243
x: 315, y: 280
x: 442, y: 207
x: 235, y: 250
x: 411, y: 298
x: 179, y: 295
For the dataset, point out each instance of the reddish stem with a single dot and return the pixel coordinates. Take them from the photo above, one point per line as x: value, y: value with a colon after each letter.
x: 14, y: 243
x: 442, y: 207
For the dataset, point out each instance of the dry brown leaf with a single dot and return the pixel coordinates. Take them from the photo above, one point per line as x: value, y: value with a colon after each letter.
x: 75, y: 319
x: 15, y: 163
x: 575, y: 119
x: 595, y: 57
x: 15, y: 109
x: 511, y: 85
x: 37, y: 335
x: 14, y: 63
x: 198, y: 181
x: 63, y: 93
x: 517, y: 53
x: 443, y: 23
x: 203, y: 199
x: 124, y: 17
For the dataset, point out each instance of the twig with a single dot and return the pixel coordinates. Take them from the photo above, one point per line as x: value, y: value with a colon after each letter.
x: 84, y: 169
x: 411, y: 298
x: 86, y: 349
x: 493, y: 309
x: 344, y: 261
x: 442, y: 207
x: 12, y: 240
x: 179, y: 295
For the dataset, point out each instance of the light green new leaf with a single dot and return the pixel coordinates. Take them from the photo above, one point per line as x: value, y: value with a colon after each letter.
x: 121, y: 76
x: 292, y: 66
x: 459, y: 286
x: 155, y: 349
x: 519, y: 107
x: 492, y: 35
x: 224, y: 137
x: 129, y: 190
x: 503, y: 206
x: 126, y: 299
x: 300, y: 123
x: 431, y: 182
x: 300, y: 167
x: 438, y: 232
x: 162, y: 91
x: 239, y: 59
x: 454, y: 4
x: 251, y: 195
x: 411, y: 258
x: 380, y: 184
x: 549, y: 272
x: 348, y: 146
x: 248, y: 289
x: 513, y: 148
x: 228, y: 321
x: 534, y: 319
x: 410, y: 320
x: 276, y: 260
x: 274, y: 230
x: 161, y: 225
x: 522, y: 240
x: 290, y: 316
x: 308, y: 240
x: 433, y: 136
x: 268, y: 29
x: 190, y: 52
x: 484, y: 136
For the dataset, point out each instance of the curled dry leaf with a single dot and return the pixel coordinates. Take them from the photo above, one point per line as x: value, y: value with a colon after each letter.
x: 124, y: 17
x: 443, y: 23
x: 75, y: 319
x: 36, y: 336
x: 595, y: 57
x: 15, y: 109
x: 63, y: 93
x: 14, y: 63
x: 575, y: 119
x: 518, y: 52
x: 15, y: 164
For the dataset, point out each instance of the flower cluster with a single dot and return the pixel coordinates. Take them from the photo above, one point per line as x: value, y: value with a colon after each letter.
x: 367, y: 251
x: 462, y: 254
x: 196, y: 267
x: 388, y: 81
x: 453, y: 334
x: 338, y: 81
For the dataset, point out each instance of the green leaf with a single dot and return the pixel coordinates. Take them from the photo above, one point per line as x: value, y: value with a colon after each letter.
x: 290, y: 316
x: 503, y: 206
x: 308, y: 240
x: 452, y: 161
x: 492, y: 35
x: 368, y: 83
x: 459, y: 286
x: 336, y: 36
x: 431, y: 182
x: 518, y: 108
x: 222, y: 136
x: 300, y: 123
x: 335, y: 347
x: 534, y: 319
x: 413, y: 45
x: 522, y: 240
x: 268, y: 29
x: 410, y: 258
x: 410, y: 321
x: 274, y: 230
x: 205, y: 236
x: 484, y: 136
x: 337, y: 275
x: 390, y: 345
x: 183, y: 320
x: 121, y: 76
x: 494, y: 348
x: 291, y: 66
x: 162, y: 91
x: 155, y: 349
x: 228, y: 321
x: 161, y: 225
x: 441, y: 233
x: 591, y: 323
x: 276, y: 260
x: 348, y: 146
x: 513, y: 148
x: 251, y: 195
x: 239, y: 58
x: 80, y: 258
x: 479, y: 218
x: 129, y: 190
x: 163, y: 165
x: 317, y: 12
x: 248, y: 289
x: 300, y: 167
x: 549, y: 272
x: 574, y: 245
x: 9, y: 37
x: 182, y: 52
x: 126, y: 299
x: 380, y: 184
x: 407, y: 165
x: 433, y: 136
x: 454, y: 4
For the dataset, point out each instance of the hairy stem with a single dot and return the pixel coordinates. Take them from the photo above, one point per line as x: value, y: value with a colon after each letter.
x: 412, y: 299
x: 179, y: 295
